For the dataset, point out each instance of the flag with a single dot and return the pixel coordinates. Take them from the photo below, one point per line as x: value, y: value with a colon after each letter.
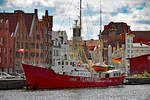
x: 21, y: 50
x: 116, y: 60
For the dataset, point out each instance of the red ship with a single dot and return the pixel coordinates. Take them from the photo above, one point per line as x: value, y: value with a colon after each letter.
x: 38, y: 77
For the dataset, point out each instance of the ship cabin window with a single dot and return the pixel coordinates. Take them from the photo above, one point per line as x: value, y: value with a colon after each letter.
x: 117, y: 74
x: 114, y: 74
x: 62, y: 62
x: 99, y: 75
x: 66, y: 62
x: 106, y: 75
x: 70, y: 63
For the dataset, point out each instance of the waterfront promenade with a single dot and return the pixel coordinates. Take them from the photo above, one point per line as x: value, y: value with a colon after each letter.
x: 123, y: 92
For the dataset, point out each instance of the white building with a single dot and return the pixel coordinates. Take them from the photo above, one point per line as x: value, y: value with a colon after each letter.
x: 60, y: 46
x: 128, y: 51
x: 134, y: 50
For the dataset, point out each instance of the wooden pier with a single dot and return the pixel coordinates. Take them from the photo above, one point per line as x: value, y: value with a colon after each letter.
x: 14, y: 83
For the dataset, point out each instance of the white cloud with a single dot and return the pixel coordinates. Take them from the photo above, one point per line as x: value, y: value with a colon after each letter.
x: 69, y: 9
x: 68, y: 30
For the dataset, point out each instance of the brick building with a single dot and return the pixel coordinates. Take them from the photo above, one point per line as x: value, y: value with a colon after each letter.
x: 6, y: 47
x: 29, y: 34
x: 114, y: 35
x: 46, y: 25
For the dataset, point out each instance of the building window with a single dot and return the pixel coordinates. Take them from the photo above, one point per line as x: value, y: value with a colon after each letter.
x: 5, y: 50
x: 37, y: 45
x: 26, y: 36
x: 58, y: 63
x: 41, y: 46
x: 33, y: 36
x: 32, y: 54
x: 70, y: 63
x: 26, y: 54
x: 41, y: 55
x: 4, y: 41
x: 0, y: 60
x: 66, y: 62
x: 22, y: 45
x: 1, y: 39
x: 26, y: 45
x: 38, y: 37
x: 5, y: 60
x: 128, y: 40
x: 128, y: 56
x: 17, y: 63
x: 32, y: 45
x: 18, y: 45
x: 21, y: 35
x: 18, y: 35
x: 128, y: 46
x: 0, y: 50
x: 37, y: 54
x: 62, y: 62
x: 17, y: 54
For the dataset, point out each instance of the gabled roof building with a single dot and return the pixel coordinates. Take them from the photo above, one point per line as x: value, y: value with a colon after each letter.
x: 29, y: 34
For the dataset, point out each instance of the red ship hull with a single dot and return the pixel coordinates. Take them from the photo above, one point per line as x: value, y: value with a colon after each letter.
x: 37, y: 77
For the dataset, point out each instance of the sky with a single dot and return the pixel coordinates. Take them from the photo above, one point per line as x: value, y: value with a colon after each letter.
x: 136, y: 13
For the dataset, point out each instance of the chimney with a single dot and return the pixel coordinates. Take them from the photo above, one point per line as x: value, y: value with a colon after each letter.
x: 36, y: 12
x: 46, y: 13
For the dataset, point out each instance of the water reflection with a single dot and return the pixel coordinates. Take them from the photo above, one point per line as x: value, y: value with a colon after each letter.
x: 126, y: 92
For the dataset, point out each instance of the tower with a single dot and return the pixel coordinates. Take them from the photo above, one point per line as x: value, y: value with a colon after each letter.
x: 77, y: 39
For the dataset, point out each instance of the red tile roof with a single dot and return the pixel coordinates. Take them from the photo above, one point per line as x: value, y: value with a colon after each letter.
x: 28, y: 20
x: 119, y: 28
x: 13, y: 18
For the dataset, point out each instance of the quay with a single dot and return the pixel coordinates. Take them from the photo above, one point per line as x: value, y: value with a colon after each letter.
x: 15, y: 83
x: 18, y: 83
x: 136, y: 80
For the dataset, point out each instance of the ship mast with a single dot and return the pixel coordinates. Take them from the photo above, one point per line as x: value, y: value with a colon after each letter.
x: 80, y: 15
x: 100, y: 20
x: 101, y: 45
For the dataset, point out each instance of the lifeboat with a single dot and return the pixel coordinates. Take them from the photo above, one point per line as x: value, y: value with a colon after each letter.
x: 100, y: 67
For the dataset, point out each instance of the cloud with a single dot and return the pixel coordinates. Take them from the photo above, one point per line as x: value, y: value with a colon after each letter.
x: 133, y: 12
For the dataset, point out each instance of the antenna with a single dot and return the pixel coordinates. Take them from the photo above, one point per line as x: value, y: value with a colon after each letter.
x: 100, y: 20
x: 80, y: 14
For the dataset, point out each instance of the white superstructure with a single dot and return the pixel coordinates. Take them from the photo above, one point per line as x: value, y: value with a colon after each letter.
x: 128, y: 51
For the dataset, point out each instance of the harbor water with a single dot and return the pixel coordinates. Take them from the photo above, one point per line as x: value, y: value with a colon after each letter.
x: 124, y: 92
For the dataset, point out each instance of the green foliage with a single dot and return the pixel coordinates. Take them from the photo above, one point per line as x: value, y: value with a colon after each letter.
x: 146, y: 74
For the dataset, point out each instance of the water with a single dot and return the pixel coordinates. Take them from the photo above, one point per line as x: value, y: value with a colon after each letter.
x: 126, y: 92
